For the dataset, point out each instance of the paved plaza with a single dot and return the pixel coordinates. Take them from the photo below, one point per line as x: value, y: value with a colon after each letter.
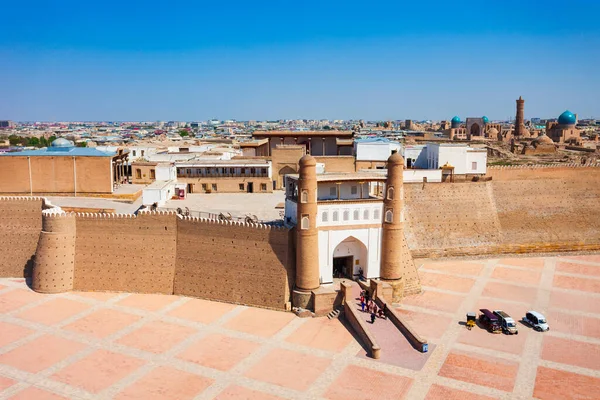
x: 131, y: 346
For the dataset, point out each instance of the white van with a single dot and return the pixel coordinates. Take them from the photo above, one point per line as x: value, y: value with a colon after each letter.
x: 508, y: 324
x: 536, y: 320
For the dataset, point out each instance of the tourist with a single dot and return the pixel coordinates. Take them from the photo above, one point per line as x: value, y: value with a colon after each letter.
x: 362, y: 304
x: 374, y: 308
x: 372, y: 317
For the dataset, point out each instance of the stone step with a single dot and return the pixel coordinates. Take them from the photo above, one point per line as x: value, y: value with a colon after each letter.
x: 333, y: 314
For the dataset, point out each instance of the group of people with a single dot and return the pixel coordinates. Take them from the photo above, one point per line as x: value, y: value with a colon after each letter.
x: 366, y: 302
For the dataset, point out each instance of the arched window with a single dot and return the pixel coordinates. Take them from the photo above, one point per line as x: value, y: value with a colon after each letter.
x: 376, y: 215
x: 356, y: 215
x: 324, y: 216
x: 335, y: 216
x: 346, y: 215
x: 304, y: 222
x: 304, y: 197
x: 390, y: 193
x: 389, y: 216
x: 366, y: 214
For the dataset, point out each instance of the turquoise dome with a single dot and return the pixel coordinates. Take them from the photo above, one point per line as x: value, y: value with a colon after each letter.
x: 456, y: 120
x: 485, y: 119
x: 60, y: 142
x: 567, y: 118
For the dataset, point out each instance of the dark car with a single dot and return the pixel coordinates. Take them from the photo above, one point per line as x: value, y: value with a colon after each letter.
x: 489, y: 321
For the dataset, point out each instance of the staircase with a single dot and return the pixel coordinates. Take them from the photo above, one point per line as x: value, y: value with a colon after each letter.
x: 334, y: 314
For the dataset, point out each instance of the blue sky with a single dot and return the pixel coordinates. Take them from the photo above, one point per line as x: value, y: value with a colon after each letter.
x: 176, y: 60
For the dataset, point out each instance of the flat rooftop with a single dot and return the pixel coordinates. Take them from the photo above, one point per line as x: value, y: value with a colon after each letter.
x: 363, y: 175
x: 144, y: 346
x: 220, y: 163
x: 302, y: 133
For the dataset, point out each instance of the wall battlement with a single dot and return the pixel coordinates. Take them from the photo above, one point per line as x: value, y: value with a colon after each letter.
x: 594, y: 164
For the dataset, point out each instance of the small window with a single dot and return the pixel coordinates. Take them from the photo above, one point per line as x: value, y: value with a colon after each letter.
x: 389, y: 216
x: 214, y: 187
x: 142, y: 153
x: 474, y: 165
x: 366, y: 214
x: 304, y: 196
x: 188, y: 171
x: 204, y: 187
x: 264, y: 171
x: 390, y: 193
x: 138, y: 173
x: 356, y: 215
x: 335, y: 216
x: 243, y: 171
x: 376, y: 214
x: 354, y: 190
x: 346, y: 215
x: 324, y: 216
x: 304, y: 222
x: 241, y: 186
x: 333, y: 191
x: 133, y: 152
x: 263, y: 187
x: 152, y: 174
x: 252, y: 170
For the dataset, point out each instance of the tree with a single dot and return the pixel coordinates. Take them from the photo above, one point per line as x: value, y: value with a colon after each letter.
x: 183, y: 133
x: 82, y: 144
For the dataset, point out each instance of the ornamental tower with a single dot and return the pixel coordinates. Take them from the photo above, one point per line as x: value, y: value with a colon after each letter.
x: 307, y: 239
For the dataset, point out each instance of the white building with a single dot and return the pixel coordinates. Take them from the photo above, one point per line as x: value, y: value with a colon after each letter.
x: 466, y: 160
x: 375, y: 149
x: 349, y: 218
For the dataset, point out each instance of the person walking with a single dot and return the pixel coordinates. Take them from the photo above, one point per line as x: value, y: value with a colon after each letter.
x: 362, y: 303
x: 372, y: 317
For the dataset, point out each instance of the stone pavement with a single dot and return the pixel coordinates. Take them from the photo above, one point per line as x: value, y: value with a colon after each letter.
x: 131, y: 346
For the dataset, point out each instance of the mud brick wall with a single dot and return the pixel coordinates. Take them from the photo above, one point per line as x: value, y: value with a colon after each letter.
x: 119, y: 252
x: 236, y: 263
x: 20, y: 227
x: 534, y: 210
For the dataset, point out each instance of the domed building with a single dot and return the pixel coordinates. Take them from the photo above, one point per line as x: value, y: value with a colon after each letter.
x: 540, y: 145
x: 455, y: 122
x: 564, y: 130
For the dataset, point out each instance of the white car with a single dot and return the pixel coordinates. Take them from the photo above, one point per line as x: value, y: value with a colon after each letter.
x: 536, y: 320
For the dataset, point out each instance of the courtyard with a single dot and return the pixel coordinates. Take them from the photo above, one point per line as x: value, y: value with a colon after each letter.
x: 138, y: 346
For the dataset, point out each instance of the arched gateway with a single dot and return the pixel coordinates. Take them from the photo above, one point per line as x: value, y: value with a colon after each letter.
x: 349, y: 256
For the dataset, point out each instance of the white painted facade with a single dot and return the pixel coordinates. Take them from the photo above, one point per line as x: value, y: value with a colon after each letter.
x: 158, y: 192
x: 166, y: 172
x: 464, y: 159
x: 364, y: 245
x: 417, y: 175
x: 379, y: 149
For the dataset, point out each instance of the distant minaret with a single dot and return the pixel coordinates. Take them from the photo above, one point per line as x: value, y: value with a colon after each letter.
x: 520, y: 119
x: 307, y: 235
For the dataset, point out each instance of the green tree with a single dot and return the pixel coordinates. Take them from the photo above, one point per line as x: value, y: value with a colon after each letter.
x: 183, y: 133
x: 33, y: 142
x: 82, y: 144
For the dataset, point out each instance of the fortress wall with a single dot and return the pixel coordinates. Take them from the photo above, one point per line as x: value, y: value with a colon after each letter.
x: 537, y: 172
x: 120, y: 252
x: 20, y: 227
x: 516, y: 214
x: 236, y: 263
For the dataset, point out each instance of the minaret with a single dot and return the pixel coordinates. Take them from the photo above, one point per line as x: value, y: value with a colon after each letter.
x: 393, y: 224
x: 520, y: 119
x: 307, y: 239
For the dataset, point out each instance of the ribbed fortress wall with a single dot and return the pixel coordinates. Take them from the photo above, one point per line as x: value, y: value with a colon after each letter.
x: 235, y: 262
x: 20, y: 227
x: 531, y: 210
x: 160, y: 252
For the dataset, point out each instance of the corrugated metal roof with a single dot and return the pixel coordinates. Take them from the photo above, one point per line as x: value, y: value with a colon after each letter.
x: 64, y: 152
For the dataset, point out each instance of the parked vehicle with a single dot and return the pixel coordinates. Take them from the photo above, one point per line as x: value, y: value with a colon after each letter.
x: 471, y: 320
x: 506, y: 322
x: 489, y: 321
x: 536, y: 320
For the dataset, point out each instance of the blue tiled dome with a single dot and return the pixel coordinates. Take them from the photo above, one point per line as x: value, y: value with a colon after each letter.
x: 567, y: 118
x: 456, y: 120
x: 485, y: 119
x: 61, y: 142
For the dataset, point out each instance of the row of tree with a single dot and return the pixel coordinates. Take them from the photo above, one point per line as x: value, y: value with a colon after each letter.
x: 32, y: 141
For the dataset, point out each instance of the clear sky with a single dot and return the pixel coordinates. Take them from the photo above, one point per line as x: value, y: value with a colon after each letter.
x: 177, y: 60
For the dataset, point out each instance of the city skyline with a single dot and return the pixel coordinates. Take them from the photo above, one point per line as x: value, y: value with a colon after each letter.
x: 188, y: 62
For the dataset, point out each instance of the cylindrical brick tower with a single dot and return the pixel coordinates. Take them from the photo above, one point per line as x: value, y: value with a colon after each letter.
x: 307, y: 239
x: 393, y: 245
x: 520, y: 117
x: 54, y: 264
